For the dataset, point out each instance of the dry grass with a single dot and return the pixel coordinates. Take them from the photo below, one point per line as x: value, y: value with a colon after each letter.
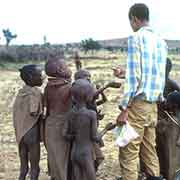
x: 101, y: 73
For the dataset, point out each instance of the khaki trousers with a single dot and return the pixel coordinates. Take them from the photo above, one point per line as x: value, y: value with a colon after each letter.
x: 142, y: 116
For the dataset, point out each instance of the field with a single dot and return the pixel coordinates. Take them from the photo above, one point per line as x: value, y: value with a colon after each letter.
x: 101, y: 73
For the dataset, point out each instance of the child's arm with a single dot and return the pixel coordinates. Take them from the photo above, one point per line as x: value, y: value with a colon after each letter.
x: 99, y: 91
x: 67, y: 134
x: 100, y: 115
x: 110, y: 84
x: 107, y: 128
x: 94, y: 134
x: 103, y: 100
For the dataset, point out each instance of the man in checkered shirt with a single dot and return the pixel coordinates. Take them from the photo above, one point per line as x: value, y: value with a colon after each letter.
x: 144, y: 85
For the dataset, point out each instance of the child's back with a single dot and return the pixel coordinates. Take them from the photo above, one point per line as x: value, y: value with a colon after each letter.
x: 28, y: 100
x: 81, y: 128
x: 57, y: 102
x: 84, y: 129
x: 27, y: 111
x: 57, y: 96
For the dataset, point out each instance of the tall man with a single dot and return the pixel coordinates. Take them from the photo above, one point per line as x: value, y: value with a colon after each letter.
x: 144, y: 85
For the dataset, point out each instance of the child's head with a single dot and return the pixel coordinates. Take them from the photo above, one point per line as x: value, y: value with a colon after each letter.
x: 82, y: 91
x: 173, y: 101
x: 82, y: 74
x: 168, y: 67
x: 31, y: 75
x: 57, y: 68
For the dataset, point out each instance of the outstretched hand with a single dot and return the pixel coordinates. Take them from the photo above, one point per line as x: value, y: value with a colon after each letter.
x: 119, y: 72
x: 110, y: 126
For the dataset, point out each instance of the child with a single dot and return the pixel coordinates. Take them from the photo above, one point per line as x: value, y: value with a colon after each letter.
x: 92, y: 105
x: 170, y: 85
x: 84, y: 74
x: 27, y: 110
x: 173, y: 106
x: 162, y: 126
x: 81, y: 128
x: 57, y: 103
x: 170, y: 138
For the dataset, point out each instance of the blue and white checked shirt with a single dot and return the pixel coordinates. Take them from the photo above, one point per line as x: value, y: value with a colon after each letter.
x: 146, y: 63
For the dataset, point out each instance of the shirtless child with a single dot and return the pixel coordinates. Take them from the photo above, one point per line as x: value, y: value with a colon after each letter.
x: 81, y: 128
x: 57, y: 103
x: 27, y: 110
x: 92, y: 105
x: 84, y: 74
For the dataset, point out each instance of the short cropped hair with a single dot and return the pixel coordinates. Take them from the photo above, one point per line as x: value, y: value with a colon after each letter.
x: 140, y: 11
x: 174, y: 98
x: 81, y: 74
x: 82, y: 89
x: 27, y: 71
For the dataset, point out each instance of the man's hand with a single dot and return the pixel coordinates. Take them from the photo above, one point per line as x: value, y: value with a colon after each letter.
x: 122, y: 118
x: 119, y: 72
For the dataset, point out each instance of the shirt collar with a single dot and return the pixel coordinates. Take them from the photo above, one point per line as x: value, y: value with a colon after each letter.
x: 147, y: 28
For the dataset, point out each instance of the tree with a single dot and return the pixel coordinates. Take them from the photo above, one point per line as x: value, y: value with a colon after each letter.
x: 90, y: 44
x: 9, y: 36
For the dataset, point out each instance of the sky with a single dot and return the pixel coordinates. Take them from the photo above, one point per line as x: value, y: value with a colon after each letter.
x: 63, y: 21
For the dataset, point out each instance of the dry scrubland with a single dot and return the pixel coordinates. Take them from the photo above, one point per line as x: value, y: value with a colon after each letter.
x: 101, y: 73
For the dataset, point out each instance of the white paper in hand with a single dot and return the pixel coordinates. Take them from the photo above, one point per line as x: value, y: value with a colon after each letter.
x: 124, y: 134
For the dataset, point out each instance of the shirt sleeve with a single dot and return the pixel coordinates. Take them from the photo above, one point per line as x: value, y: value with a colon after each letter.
x: 133, y: 71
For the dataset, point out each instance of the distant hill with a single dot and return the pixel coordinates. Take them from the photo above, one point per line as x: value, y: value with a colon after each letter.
x: 122, y: 42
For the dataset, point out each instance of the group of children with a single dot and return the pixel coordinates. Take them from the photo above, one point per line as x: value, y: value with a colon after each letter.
x: 65, y: 118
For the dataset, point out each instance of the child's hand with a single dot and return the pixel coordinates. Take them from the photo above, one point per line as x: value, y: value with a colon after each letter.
x: 119, y: 72
x: 110, y: 126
